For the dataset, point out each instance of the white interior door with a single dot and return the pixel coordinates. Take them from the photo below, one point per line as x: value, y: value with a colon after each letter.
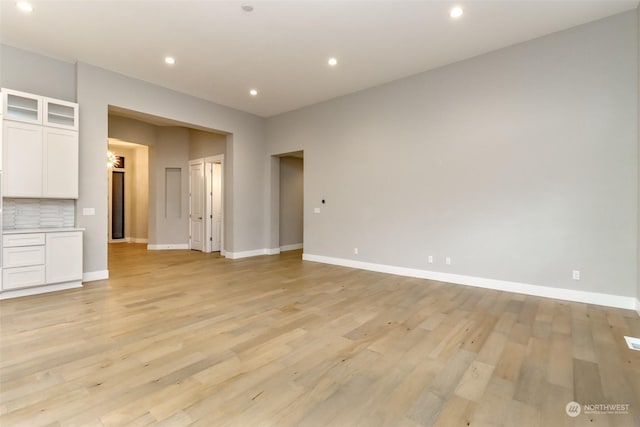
x: 196, y: 206
x: 216, y: 206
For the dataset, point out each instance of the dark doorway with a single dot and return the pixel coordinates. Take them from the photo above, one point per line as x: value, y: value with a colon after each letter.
x: 117, y: 205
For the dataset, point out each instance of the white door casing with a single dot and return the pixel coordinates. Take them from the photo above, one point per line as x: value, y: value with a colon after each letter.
x: 216, y: 205
x: 196, y: 205
x: 214, y: 167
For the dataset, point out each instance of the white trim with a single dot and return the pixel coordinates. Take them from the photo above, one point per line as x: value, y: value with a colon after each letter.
x: 171, y: 246
x: 197, y: 162
x: 251, y: 253
x: 91, y: 276
x: 291, y: 247
x: 39, y: 290
x: 254, y: 252
x: 218, y: 159
x: 638, y: 306
x: 128, y: 240
x: 501, y: 285
x: 245, y: 254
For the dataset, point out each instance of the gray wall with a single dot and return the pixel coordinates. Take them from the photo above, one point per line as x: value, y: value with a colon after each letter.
x: 99, y: 88
x: 520, y: 164
x: 638, y: 179
x: 206, y: 144
x: 171, y: 151
x: 291, y: 200
x: 132, y: 130
x: 95, y: 90
x: 170, y: 147
x: 29, y: 72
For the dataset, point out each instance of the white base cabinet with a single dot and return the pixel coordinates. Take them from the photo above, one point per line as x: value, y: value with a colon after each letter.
x: 22, y: 277
x: 41, y: 262
x: 63, y: 257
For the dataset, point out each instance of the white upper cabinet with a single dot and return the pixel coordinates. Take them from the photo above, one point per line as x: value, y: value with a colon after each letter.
x: 23, y: 157
x: 39, y: 146
x: 30, y: 108
x: 21, y: 106
x: 60, y: 164
x: 60, y: 114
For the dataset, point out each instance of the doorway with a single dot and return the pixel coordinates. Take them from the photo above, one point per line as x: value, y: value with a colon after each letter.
x: 291, y: 201
x: 206, y: 204
x: 128, y: 192
x: 117, y: 205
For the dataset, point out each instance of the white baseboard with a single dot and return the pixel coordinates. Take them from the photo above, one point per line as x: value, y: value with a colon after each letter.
x: 272, y: 251
x: 92, y: 276
x: 128, y: 240
x: 291, y: 247
x: 638, y: 306
x: 39, y: 290
x: 173, y: 246
x: 501, y: 285
x: 245, y: 254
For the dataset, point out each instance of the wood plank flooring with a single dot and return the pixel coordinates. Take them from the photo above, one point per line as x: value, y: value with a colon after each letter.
x: 183, y: 338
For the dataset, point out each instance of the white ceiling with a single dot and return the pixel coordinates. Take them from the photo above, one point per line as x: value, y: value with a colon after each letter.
x: 282, y: 47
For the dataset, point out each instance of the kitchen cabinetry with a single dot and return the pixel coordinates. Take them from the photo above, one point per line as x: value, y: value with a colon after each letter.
x: 24, y: 258
x: 64, y: 257
x: 35, y: 262
x: 22, y: 148
x: 39, y: 146
x: 60, y: 164
x: 21, y: 106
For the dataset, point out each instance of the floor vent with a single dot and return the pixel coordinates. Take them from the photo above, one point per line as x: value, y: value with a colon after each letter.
x: 633, y: 343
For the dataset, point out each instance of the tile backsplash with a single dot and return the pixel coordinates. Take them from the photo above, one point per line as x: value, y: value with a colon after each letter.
x: 38, y: 213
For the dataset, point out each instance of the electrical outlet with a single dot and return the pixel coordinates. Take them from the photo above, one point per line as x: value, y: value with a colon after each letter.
x: 355, y: 251
x: 576, y: 275
x: 430, y: 259
x: 447, y: 260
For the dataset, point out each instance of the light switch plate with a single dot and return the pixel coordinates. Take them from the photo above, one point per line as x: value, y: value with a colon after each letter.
x: 316, y: 210
x: 88, y: 211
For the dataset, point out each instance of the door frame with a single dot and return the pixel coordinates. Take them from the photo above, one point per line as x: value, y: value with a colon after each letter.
x: 194, y: 163
x: 208, y: 161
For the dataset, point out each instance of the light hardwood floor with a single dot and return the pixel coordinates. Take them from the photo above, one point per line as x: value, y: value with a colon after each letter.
x: 183, y: 338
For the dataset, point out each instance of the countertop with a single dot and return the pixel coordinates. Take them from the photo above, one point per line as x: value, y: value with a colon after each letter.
x: 41, y: 230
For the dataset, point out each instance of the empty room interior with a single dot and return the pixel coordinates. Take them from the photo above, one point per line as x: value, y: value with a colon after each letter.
x: 320, y: 213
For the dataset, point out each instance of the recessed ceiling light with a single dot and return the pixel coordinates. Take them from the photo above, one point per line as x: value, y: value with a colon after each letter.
x: 170, y: 60
x: 24, y: 6
x: 456, y: 12
x: 333, y: 62
x: 253, y: 92
x: 247, y: 7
